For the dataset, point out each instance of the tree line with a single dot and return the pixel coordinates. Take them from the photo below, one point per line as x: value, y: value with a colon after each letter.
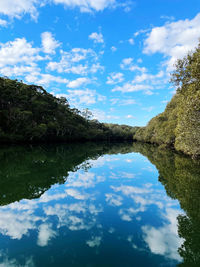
x: 28, y: 113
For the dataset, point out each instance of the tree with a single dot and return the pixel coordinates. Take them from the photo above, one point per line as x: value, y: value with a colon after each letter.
x: 187, y: 71
x: 87, y: 114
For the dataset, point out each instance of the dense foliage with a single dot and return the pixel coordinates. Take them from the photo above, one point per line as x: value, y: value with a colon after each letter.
x: 29, y: 114
x: 179, y: 125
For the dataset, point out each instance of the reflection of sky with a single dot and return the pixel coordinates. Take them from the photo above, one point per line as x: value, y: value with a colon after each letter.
x: 119, y: 196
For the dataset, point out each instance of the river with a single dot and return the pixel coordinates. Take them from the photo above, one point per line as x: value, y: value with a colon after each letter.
x: 98, y: 205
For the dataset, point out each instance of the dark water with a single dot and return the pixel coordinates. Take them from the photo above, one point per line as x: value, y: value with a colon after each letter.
x: 98, y: 205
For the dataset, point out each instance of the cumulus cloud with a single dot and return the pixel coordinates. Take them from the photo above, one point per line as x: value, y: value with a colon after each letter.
x: 148, y: 77
x: 18, y: 51
x: 129, y: 87
x: 95, y: 241
x: 127, y: 64
x: 49, y: 44
x: 75, y: 194
x: 131, y: 41
x: 113, y: 199
x: 115, y: 77
x: 3, y: 22
x: 88, y: 5
x: 45, y: 234
x: 77, y: 61
x: 44, y: 79
x: 101, y: 115
x: 19, y: 7
x: 19, y: 57
x: 96, y: 37
x: 173, y: 39
x: 164, y: 240
x: 143, y: 81
x: 78, y: 82
x: 15, y: 225
x: 86, y: 97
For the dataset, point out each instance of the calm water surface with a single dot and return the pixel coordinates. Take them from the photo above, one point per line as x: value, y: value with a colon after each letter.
x: 98, y: 205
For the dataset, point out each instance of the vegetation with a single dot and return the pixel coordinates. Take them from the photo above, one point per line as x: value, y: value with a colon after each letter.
x: 179, y: 125
x: 29, y: 114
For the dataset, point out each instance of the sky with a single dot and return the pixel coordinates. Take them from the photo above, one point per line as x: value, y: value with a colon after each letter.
x: 113, y: 57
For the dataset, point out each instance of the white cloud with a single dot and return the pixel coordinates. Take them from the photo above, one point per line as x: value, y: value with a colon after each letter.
x: 87, y: 5
x: 96, y: 37
x: 77, y: 61
x: 17, y: 8
x: 173, y: 39
x: 44, y: 79
x: 129, y: 190
x: 15, y: 225
x: 131, y: 41
x: 84, y: 180
x: 95, y: 241
x: 78, y: 82
x: 49, y: 44
x: 8, y: 262
x: 140, y: 32
x: 19, y: 58
x: 76, y: 216
x: 144, y: 81
x: 3, y: 22
x: 17, y: 71
x: 129, y: 87
x: 113, y: 48
x: 127, y: 64
x: 126, y: 61
x: 127, y: 214
x: 101, y: 115
x: 149, y: 77
x: 164, y: 240
x: 45, y: 234
x: 167, y: 17
x: 18, y: 51
x: 76, y: 194
x: 122, y: 102
x: 115, y: 77
x: 113, y: 199
x: 86, y: 97
x: 130, y: 117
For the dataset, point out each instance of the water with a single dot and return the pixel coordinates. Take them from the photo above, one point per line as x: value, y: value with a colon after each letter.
x: 98, y: 205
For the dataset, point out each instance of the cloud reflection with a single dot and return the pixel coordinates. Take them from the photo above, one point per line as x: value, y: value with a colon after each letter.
x: 164, y: 240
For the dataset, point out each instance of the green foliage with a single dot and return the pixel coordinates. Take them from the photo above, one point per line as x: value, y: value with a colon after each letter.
x: 121, y: 131
x: 179, y: 125
x: 29, y: 114
x: 161, y: 129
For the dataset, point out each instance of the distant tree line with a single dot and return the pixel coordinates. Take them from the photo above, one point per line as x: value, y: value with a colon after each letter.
x: 28, y: 113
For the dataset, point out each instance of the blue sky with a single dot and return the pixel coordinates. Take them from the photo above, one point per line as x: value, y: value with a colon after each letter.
x: 113, y: 57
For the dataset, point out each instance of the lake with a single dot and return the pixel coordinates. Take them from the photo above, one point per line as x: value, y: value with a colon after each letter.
x: 98, y: 205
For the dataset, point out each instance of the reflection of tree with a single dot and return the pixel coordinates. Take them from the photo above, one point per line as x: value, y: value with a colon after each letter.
x: 181, y: 177
x: 27, y: 172
x: 190, y: 250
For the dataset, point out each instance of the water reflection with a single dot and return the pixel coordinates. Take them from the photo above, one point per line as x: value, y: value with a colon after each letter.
x: 75, y: 205
x: 181, y: 177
